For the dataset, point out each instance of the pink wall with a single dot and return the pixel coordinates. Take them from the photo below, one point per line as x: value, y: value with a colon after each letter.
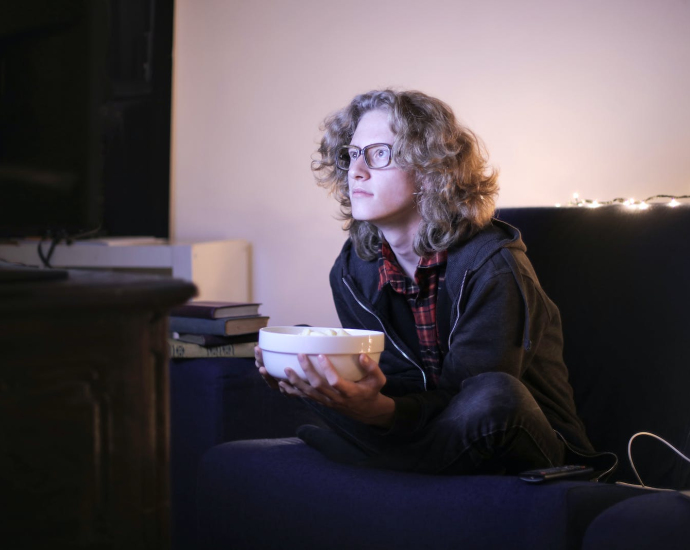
x: 588, y: 96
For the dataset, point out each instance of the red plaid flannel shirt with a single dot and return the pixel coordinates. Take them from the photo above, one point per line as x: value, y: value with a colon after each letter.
x: 421, y: 295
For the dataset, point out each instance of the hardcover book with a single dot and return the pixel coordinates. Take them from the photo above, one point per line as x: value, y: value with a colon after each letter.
x: 215, y: 339
x: 222, y: 327
x: 187, y: 350
x: 204, y: 309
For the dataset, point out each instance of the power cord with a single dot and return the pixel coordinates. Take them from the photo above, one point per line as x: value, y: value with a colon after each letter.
x: 632, y: 463
x: 55, y: 240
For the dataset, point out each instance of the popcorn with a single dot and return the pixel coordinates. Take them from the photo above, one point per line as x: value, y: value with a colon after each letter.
x: 324, y: 332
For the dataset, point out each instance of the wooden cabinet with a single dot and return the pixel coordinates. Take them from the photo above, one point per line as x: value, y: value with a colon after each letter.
x: 84, y: 411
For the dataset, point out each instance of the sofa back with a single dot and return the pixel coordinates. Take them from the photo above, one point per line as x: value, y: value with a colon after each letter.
x: 621, y: 280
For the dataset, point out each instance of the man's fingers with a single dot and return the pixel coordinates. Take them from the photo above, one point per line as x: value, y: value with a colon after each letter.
x: 366, y: 362
x: 332, y: 376
x: 313, y: 377
x: 303, y: 387
x: 289, y: 389
x: 315, y: 387
x: 371, y: 368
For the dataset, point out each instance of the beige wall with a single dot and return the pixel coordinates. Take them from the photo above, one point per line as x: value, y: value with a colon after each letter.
x: 568, y: 95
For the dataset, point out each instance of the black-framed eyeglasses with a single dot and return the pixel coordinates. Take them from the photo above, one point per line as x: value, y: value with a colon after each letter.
x: 376, y: 155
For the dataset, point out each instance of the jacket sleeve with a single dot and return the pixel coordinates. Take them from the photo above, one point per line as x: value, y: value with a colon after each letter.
x: 488, y: 337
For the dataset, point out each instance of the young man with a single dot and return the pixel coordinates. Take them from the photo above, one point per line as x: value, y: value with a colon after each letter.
x: 472, y: 379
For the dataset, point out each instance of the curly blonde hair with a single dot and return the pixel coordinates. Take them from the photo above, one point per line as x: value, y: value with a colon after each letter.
x: 456, y: 189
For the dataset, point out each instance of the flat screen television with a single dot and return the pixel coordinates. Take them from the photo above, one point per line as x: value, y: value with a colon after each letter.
x: 85, y: 108
x: 52, y: 86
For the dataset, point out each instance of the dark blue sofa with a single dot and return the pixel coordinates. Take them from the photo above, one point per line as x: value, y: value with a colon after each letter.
x: 622, y: 281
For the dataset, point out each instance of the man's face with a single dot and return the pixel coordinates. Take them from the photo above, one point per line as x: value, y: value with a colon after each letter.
x: 382, y: 196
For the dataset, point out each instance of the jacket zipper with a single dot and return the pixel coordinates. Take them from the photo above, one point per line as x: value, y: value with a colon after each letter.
x: 457, y: 307
x: 365, y: 308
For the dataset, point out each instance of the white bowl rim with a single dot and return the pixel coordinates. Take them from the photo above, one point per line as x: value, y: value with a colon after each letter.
x: 287, y: 339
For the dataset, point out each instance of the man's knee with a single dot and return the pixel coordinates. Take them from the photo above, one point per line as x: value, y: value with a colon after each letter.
x: 494, y: 416
x: 496, y: 397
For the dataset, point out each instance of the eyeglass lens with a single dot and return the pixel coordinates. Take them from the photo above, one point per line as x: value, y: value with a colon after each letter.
x: 377, y: 155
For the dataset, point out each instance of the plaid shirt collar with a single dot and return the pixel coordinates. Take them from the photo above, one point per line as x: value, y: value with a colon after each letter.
x: 391, y: 273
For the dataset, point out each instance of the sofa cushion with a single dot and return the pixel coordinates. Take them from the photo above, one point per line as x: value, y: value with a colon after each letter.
x: 283, y: 494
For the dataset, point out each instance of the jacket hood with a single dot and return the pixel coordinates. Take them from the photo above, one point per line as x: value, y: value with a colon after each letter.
x: 486, y: 243
x: 471, y: 255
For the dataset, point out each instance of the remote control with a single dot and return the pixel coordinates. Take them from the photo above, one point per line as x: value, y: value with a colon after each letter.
x: 559, y: 472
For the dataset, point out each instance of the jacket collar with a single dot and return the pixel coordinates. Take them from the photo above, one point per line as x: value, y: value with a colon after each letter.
x: 468, y: 256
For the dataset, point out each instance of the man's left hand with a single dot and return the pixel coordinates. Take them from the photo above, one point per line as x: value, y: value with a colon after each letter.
x: 361, y: 400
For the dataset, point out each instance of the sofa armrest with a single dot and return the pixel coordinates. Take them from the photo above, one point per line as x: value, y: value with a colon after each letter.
x: 214, y: 400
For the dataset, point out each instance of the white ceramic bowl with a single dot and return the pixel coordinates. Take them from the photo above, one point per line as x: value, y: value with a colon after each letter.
x: 280, y: 346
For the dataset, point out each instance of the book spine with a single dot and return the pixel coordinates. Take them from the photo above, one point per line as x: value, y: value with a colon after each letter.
x: 194, y: 312
x: 193, y: 325
x: 186, y: 350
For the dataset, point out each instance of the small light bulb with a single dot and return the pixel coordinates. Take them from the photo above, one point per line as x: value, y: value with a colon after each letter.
x: 674, y: 203
x: 558, y: 205
x: 643, y: 206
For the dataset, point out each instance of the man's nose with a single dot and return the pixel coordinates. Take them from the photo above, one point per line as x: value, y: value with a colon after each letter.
x: 358, y: 168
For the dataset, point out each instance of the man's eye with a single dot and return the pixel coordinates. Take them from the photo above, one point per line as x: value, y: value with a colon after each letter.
x: 379, y: 156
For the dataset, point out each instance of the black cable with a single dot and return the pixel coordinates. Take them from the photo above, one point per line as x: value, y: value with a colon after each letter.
x: 57, y: 238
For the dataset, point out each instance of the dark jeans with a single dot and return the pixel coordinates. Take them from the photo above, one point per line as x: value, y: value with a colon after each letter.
x: 492, y: 426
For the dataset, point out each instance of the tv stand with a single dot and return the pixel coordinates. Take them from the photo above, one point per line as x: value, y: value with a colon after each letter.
x: 84, y: 410
x: 10, y: 273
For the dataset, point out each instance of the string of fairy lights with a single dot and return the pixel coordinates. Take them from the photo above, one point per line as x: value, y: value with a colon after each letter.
x: 634, y: 204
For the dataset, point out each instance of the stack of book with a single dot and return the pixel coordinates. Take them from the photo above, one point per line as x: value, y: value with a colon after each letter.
x: 215, y: 329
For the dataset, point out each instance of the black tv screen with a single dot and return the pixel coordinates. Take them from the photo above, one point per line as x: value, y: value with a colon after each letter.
x: 51, y: 89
